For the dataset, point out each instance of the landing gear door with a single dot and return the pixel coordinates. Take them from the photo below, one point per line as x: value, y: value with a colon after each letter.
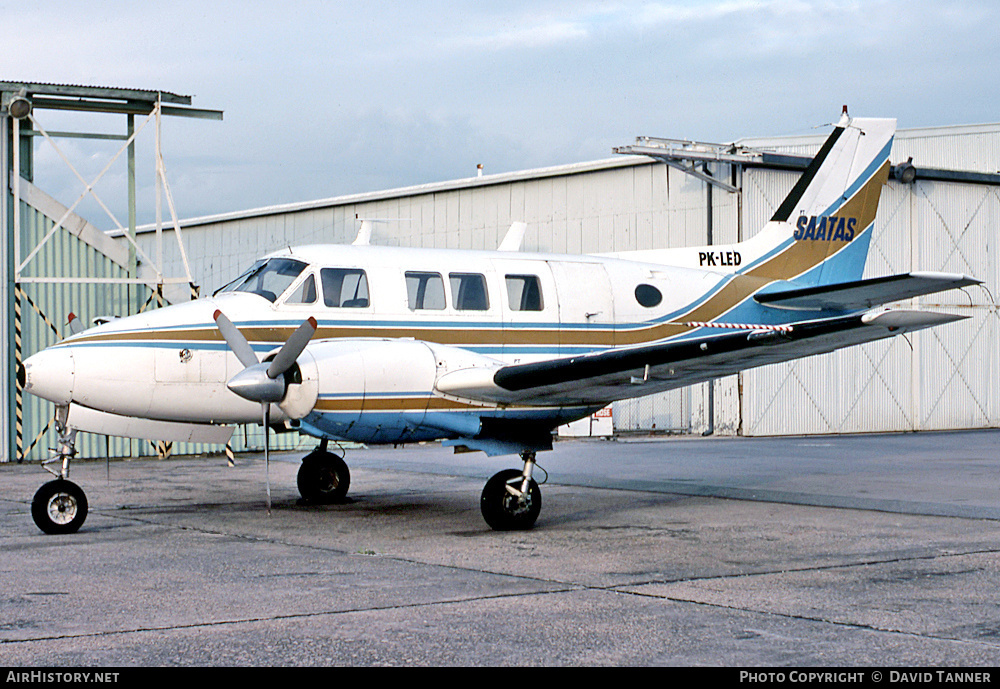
x: 586, y: 306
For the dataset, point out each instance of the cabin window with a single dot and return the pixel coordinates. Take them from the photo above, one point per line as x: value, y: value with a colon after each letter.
x: 468, y: 292
x: 524, y: 293
x: 267, y: 278
x: 648, y: 296
x: 344, y: 288
x: 305, y: 293
x: 425, y: 291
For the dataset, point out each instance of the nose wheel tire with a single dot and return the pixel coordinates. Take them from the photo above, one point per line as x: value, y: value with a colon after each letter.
x: 505, y: 507
x: 323, y: 478
x: 59, y: 507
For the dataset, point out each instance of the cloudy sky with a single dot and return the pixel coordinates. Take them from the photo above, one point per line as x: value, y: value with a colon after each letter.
x: 323, y: 99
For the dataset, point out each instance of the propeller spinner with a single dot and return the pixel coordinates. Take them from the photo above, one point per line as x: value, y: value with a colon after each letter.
x: 263, y: 382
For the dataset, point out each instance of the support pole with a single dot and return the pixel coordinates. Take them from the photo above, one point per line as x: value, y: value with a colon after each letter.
x: 16, y: 206
x: 18, y: 390
x: 710, y: 232
x: 133, y: 290
x: 6, y: 250
x: 159, y: 202
x: 15, y: 185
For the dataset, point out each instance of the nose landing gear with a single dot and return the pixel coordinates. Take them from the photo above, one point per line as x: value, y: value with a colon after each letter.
x: 60, y: 506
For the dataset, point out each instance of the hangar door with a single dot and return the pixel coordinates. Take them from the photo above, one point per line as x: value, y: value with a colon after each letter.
x: 941, y: 378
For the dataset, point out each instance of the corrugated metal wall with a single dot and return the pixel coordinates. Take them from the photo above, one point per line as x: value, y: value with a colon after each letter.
x: 45, y: 308
x: 933, y: 380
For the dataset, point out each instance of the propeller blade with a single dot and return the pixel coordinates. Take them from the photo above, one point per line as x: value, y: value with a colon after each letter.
x: 266, y: 408
x: 292, y: 348
x: 234, y: 338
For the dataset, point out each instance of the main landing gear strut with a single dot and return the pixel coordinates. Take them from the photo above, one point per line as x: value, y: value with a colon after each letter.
x: 511, y: 499
x: 60, y: 506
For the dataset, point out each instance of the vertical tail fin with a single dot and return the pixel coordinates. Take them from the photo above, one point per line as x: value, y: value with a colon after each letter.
x: 821, y: 231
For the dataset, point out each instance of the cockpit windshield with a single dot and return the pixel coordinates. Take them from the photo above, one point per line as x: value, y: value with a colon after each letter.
x: 267, y: 278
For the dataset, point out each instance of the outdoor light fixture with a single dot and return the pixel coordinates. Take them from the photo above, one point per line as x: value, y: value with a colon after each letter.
x: 19, y: 106
x: 905, y: 172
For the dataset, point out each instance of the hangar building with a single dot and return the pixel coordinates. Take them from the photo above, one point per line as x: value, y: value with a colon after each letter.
x: 946, y: 219
x: 939, y: 212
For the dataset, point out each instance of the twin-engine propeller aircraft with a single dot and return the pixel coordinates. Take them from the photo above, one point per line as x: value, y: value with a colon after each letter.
x: 484, y: 350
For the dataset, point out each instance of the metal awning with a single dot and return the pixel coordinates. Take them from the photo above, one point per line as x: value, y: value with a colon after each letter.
x: 43, y: 96
x: 685, y: 155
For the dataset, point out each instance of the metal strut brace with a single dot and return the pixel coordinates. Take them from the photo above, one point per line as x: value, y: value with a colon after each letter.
x: 529, y: 465
x: 67, y: 446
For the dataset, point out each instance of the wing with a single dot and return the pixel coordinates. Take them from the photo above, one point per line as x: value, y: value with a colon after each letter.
x: 643, y: 370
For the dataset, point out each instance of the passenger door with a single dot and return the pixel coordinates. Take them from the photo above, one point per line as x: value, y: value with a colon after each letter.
x: 586, y: 306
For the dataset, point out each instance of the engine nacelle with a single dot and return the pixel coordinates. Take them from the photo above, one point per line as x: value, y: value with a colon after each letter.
x: 384, y: 390
x: 361, y: 374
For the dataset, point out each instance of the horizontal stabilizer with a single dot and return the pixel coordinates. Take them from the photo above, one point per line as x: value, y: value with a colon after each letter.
x: 862, y: 294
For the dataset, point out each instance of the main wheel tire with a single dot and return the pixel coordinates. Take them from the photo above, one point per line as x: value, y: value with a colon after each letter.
x: 323, y: 478
x: 59, y: 507
x: 506, y: 512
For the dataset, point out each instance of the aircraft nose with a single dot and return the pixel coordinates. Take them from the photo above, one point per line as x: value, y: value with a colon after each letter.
x: 49, y: 374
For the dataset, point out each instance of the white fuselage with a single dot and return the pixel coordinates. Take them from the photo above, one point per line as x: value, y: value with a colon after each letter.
x: 381, y: 346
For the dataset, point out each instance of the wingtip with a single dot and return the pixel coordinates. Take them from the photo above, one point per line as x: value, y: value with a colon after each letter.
x: 909, y: 319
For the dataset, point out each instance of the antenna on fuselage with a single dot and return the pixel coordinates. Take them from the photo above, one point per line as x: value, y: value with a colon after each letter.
x: 364, y: 237
x: 514, y: 237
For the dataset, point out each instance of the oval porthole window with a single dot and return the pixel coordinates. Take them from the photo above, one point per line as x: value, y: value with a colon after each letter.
x: 647, y: 295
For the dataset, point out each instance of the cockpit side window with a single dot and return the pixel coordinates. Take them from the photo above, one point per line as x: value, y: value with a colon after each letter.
x: 305, y: 293
x: 267, y: 278
x: 345, y: 288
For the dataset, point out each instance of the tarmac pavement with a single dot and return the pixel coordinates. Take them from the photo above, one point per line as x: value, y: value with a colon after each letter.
x: 859, y: 551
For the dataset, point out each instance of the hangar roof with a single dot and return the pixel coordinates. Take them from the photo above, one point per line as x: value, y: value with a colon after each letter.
x: 81, y: 91
x: 796, y: 150
x: 416, y: 190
